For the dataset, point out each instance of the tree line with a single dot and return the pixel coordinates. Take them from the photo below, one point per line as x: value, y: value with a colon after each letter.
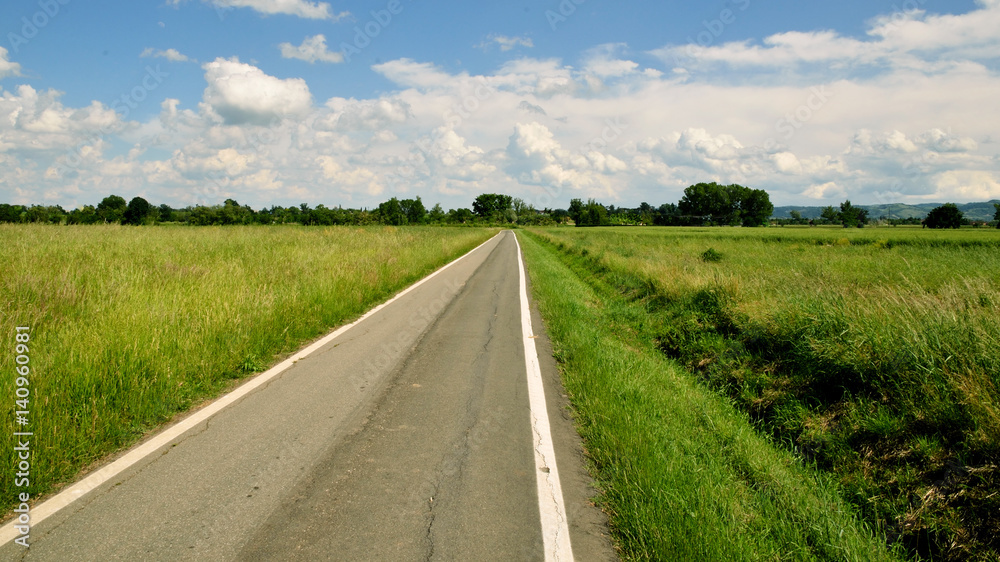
x: 849, y: 216
x: 702, y: 204
x: 486, y: 209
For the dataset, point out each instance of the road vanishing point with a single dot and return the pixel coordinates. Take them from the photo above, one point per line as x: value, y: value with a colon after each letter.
x: 433, y: 428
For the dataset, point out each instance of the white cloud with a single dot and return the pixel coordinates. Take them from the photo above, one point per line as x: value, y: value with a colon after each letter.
x: 242, y: 93
x: 867, y: 143
x: 412, y: 74
x: 543, y: 78
x: 367, y: 115
x: 300, y: 8
x: 172, y: 55
x: 905, y: 40
x: 33, y: 122
x: 508, y: 43
x: 898, y: 121
x: 940, y: 141
x: 311, y: 50
x: 8, y: 68
x: 602, y: 61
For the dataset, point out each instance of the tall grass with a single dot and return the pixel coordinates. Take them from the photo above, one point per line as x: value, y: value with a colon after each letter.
x: 130, y: 326
x: 683, y: 474
x: 874, y: 354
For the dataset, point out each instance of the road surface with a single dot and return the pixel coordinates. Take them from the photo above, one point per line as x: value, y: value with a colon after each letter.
x: 408, y: 436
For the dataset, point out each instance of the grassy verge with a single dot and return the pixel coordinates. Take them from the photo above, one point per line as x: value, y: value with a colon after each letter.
x: 683, y: 474
x: 873, y: 355
x: 130, y: 326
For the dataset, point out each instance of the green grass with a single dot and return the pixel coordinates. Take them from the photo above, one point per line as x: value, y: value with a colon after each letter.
x: 683, y: 474
x: 872, y: 354
x: 130, y: 326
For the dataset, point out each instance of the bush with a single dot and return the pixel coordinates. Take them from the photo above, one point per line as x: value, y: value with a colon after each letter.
x: 711, y: 255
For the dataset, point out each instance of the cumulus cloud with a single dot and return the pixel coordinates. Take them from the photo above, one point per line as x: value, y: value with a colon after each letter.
x: 8, y: 68
x: 941, y: 141
x: 897, y: 121
x: 603, y: 61
x: 241, y: 93
x: 33, y: 121
x: 172, y: 55
x: 412, y: 74
x: 507, y: 43
x: 311, y: 50
x: 543, y: 78
x: 903, y: 39
x: 366, y: 115
x: 535, y: 157
x: 300, y: 8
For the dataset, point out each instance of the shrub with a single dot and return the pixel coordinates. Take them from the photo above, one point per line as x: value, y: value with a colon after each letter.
x: 711, y: 255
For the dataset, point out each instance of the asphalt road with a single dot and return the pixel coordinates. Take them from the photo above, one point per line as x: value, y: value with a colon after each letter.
x: 407, y: 437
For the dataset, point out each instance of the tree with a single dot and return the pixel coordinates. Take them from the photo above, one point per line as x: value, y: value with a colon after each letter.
x: 830, y: 215
x: 37, y: 214
x: 852, y: 216
x: 575, y: 210
x: 112, y: 208
x: 647, y: 214
x: 234, y: 213
x: 521, y: 208
x: 437, y: 214
x: 137, y: 211
x: 726, y: 204
x: 755, y: 207
x: 166, y: 213
x: 707, y: 199
x: 945, y: 216
x: 11, y: 213
x: 460, y: 216
x: 996, y: 216
x: 491, y: 206
x: 593, y: 214
x: 414, y: 210
x: 391, y: 212
x: 83, y: 215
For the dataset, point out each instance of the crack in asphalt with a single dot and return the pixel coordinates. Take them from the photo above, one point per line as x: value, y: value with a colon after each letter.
x: 453, y: 468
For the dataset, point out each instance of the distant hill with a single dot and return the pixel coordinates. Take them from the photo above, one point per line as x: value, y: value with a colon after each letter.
x: 973, y: 211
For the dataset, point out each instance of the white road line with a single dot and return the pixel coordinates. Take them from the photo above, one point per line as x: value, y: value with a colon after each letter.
x: 48, y: 508
x: 555, y: 528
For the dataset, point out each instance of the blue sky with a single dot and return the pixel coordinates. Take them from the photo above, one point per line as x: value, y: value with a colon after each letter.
x: 196, y: 101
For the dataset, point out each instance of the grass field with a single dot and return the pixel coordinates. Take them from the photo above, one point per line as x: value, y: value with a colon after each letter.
x: 684, y: 475
x: 129, y: 326
x: 870, y: 355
